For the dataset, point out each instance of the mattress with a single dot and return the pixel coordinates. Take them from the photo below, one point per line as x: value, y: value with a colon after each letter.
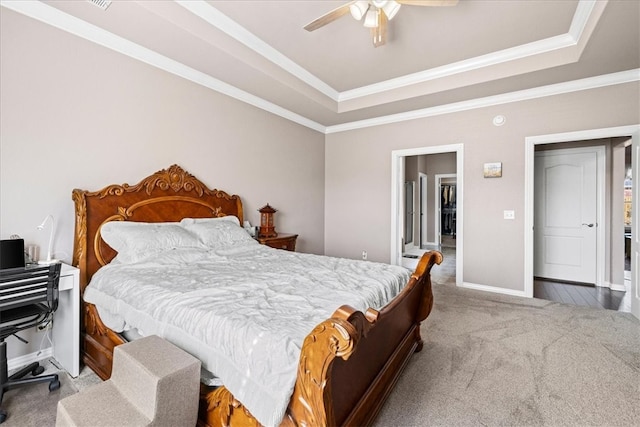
x: 242, y: 308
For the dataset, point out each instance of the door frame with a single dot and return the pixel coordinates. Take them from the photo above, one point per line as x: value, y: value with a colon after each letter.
x: 530, y: 142
x: 423, y: 181
x: 409, y: 238
x: 397, y: 187
x: 438, y: 207
x: 600, y: 151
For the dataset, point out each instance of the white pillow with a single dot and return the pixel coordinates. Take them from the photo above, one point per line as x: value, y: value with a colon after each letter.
x: 230, y: 218
x: 137, y: 241
x: 216, y: 233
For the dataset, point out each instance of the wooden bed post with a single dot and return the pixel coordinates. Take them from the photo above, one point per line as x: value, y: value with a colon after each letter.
x: 167, y: 195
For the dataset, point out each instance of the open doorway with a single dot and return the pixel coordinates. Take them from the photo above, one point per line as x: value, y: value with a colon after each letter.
x: 429, y: 212
x: 579, y: 223
x: 416, y: 200
x: 611, y: 285
x: 572, y: 212
x: 446, y: 212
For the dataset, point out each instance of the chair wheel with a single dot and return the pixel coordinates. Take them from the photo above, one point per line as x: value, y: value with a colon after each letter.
x: 54, y: 385
x: 37, y: 371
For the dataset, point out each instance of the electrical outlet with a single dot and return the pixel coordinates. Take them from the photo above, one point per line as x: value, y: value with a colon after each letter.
x: 364, y: 255
x: 509, y: 214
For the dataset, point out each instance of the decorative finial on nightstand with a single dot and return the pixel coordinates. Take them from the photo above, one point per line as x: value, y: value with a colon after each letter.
x: 267, y: 228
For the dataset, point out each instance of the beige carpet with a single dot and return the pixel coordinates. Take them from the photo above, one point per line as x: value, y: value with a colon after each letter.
x: 35, y: 405
x: 488, y: 360
x: 493, y: 360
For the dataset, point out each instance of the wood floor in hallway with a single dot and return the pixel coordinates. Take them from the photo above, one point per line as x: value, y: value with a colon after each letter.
x: 566, y: 293
x: 583, y: 295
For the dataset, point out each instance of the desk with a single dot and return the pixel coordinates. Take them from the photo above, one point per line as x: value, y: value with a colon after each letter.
x: 66, y: 321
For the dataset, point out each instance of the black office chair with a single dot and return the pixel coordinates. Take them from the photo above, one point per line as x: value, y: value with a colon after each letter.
x: 28, y: 298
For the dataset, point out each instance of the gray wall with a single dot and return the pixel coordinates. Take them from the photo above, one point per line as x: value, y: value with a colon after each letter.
x: 76, y: 115
x: 358, y: 175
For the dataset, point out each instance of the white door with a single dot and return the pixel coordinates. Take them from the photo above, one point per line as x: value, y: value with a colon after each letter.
x: 566, y: 214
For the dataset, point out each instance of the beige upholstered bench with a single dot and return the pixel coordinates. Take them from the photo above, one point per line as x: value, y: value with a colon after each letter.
x: 153, y: 383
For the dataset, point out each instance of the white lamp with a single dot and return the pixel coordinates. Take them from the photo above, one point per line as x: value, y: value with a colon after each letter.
x: 390, y: 9
x: 359, y: 8
x: 49, y: 260
x: 371, y: 19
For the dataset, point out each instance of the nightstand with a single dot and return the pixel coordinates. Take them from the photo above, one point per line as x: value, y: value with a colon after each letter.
x: 281, y: 241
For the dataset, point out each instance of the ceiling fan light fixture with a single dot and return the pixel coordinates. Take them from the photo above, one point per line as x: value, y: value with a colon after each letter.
x: 359, y: 9
x: 371, y: 18
x: 391, y: 8
x: 380, y: 3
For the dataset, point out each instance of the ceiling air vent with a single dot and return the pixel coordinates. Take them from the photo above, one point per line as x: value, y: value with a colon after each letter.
x: 102, y: 4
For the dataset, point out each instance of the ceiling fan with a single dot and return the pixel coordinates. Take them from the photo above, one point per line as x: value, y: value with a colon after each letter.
x: 376, y: 13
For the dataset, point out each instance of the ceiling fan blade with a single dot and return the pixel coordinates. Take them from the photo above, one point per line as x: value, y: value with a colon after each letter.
x: 328, y: 17
x: 379, y: 33
x: 428, y: 2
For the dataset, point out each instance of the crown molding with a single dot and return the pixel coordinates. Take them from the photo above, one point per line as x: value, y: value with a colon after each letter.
x: 553, y: 51
x: 54, y: 17
x: 586, y: 15
x: 507, y: 98
x: 61, y: 20
x: 582, y: 17
x: 214, y: 17
x: 466, y: 66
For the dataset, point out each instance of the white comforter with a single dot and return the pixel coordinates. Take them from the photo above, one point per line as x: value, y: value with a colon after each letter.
x: 243, y: 311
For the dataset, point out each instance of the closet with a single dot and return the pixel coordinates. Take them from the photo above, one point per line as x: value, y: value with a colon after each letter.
x: 448, y: 210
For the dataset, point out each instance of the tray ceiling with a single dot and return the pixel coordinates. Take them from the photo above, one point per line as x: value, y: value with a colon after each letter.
x: 332, y: 78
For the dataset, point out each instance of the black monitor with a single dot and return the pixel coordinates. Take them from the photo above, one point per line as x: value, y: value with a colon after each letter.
x: 11, y: 253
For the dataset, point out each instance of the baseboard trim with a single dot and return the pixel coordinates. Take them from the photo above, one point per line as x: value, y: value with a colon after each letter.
x: 617, y: 287
x: 493, y: 289
x: 20, y: 361
x: 613, y: 286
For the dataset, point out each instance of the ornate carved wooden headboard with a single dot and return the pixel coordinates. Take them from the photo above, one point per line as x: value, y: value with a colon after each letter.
x: 168, y: 195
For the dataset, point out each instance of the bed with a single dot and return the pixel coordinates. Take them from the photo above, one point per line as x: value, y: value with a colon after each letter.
x: 348, y: 362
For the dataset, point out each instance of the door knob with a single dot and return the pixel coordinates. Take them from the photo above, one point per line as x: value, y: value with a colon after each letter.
x: 588, y: 225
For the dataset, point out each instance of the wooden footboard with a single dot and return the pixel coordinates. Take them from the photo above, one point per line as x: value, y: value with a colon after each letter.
x: 348, y: 364
x: 98, y: 343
